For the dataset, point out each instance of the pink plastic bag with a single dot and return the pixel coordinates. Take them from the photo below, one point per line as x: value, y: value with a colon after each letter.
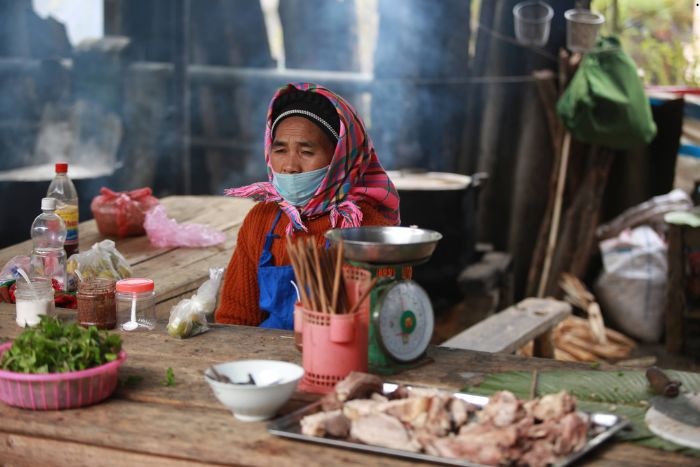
x: 120, y: 214
x: 165, y: 232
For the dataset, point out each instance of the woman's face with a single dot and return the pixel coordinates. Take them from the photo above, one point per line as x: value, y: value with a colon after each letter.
x: 300, y: 146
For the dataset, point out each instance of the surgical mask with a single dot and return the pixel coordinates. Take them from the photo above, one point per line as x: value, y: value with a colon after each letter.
x: 298, y: 189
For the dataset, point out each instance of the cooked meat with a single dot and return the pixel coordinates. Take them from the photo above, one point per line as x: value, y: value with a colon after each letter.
x: 503, y: 409
x: 459, y: 411
x: 315, y: 424
x: 505, y: 431
x: 541, y: 453
x: 357, y: 385
x: 406, y: 410
x: 427, y: 392
x: 338, y: 426
x: 439, y: 421
x: 426, y: 441
x: 330, y: 402
x: 357, y: 408
x: 573, y: 433
x: 401, y: 392
x: 488, y: 445
x: 551, y: 406
x: 383, y: 430
x: 548, y: 429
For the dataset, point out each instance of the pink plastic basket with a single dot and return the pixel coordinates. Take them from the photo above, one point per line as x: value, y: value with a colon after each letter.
x: 334, y: 346
x: 56, y: 391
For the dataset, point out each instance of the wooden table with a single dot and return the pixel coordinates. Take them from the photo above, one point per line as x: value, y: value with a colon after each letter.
x: 151, y: 424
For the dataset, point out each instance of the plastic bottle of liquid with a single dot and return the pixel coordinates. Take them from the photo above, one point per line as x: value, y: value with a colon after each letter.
x: 63, y: 190
x: 48, y: 232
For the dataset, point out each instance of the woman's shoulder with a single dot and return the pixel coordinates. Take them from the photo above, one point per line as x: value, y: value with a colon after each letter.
x: 260, y: 216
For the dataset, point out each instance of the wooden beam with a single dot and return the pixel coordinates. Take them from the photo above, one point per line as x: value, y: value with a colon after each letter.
x: 513, y: 327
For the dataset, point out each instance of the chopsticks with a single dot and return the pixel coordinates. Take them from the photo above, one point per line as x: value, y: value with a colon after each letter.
x: 318, y: 274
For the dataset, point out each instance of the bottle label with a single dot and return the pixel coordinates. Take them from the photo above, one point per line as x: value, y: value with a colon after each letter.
x: 69, y: 214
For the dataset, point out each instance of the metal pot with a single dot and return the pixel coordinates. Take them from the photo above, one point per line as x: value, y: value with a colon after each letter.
x: 445, y: 202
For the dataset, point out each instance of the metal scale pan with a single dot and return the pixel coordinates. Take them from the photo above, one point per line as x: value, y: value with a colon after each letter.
x: 386, y: 245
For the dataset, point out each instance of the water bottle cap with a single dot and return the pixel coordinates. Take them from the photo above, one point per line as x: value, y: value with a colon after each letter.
x: 61, y: 167
x: 48, y: 204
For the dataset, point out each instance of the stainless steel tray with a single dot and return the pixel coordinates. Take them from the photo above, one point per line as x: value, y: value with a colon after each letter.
x: 605, y: 425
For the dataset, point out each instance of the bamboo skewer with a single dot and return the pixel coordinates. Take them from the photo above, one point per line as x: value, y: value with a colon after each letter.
x: 319, y: 275
x: 318, y: 272
x: 298, y: 273
x: 336, y: 278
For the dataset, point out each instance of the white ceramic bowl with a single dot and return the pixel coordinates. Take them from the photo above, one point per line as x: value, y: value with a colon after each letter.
x: 276, y: 382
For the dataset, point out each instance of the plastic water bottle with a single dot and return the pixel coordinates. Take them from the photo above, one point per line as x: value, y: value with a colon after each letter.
x: 48, y: 232
x: 63, y: 190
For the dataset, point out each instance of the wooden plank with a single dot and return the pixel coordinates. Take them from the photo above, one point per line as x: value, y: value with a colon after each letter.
x: 218, y: 211
x: 18, y: 450
x: 616, y: 454
x: 180, y: 271
x: 513, y: 327
x: 201, y: 435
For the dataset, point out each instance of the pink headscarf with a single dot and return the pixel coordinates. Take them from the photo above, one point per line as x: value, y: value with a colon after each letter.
x: 355, y: 173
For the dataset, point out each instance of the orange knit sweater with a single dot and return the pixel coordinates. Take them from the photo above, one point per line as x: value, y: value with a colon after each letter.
x: 240, y: 294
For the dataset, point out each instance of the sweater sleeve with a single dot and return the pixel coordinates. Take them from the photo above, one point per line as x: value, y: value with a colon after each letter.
x: 238, y: 303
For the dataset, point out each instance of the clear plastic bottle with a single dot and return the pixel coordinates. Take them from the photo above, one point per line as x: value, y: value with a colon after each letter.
x: 63, y: 190
x: 48, y: 232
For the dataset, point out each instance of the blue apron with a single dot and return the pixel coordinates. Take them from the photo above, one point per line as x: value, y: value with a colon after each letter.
x: 277, y: 294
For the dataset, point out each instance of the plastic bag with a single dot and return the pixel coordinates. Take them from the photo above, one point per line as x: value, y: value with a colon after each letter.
x: 103, y: 260
x: 165, y: 232
x: 605, y: 102
x: 9, y: 271
x: 632, y: 287
x: 120, y: 214
x: 189, y: 317
x: 650, y: 212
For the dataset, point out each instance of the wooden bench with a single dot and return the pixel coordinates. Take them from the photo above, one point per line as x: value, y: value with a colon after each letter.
x: 512, y: 328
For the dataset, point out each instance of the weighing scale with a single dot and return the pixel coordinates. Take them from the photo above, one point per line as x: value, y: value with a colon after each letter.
x: 401, y: 319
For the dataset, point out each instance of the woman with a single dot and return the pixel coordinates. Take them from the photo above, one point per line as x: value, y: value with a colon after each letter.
x: 323, y: 173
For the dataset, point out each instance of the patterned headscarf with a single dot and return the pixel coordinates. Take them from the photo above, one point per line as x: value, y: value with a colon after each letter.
x: 355, y: 173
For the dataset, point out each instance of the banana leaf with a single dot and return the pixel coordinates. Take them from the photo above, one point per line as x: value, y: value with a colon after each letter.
x: 624, y: 393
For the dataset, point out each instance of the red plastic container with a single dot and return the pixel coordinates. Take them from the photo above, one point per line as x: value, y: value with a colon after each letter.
x: 333, y: 346
x: 56, y: 391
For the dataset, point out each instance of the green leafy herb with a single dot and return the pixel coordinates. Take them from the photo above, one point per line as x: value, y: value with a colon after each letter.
x: 169, y: 377
x: 55, y: 347
x: 595, y: 365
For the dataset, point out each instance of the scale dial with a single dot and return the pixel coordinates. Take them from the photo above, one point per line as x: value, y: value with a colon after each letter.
x: 404, y: 320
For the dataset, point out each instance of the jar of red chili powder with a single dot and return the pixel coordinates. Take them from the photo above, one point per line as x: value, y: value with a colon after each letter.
x: 97, y: 305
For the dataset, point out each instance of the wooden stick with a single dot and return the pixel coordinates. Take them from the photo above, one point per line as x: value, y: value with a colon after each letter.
x: 364, y: 295
x: 556, y: 215
x: 327, y: 276
x: 308, y: 271
x: 319, y: 275
x: 298, y: 272
x: 533, y: 384
x: 336, y: 277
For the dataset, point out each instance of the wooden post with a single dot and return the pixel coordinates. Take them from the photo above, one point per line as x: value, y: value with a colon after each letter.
x: 544, y: 345
x: 675, y: 296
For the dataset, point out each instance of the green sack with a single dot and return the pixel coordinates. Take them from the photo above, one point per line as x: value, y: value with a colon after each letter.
x: 605, y: 102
